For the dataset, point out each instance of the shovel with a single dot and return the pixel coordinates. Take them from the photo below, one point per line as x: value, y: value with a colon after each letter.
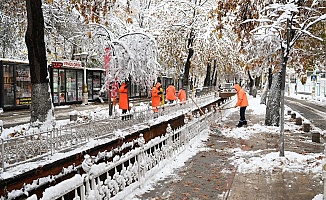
x: 224, y: 108
x: 214, y: 129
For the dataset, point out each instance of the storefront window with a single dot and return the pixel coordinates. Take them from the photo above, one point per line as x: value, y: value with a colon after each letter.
x: 8, y: 79
x: 90, y: 85
x: 62, y: 81
x: 56, y: 93
x: 96, y: 84
x: 23, y: 85
x: 104, y: 94
x: 71, y: 85
x: 80, y: 85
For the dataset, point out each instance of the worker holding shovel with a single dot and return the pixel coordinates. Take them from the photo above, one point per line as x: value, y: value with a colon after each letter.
x: 242, y: 103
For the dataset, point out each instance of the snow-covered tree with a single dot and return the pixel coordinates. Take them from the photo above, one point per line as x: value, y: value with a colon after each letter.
x: 63, y: 30
x: 12, y: 30
x: 41, y: 107
x: 286, y: 22
x: 119, y: 27
x: 28, y: 16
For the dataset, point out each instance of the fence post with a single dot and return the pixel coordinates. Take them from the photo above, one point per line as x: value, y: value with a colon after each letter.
x: 87, y: 165
x: 141, y: 160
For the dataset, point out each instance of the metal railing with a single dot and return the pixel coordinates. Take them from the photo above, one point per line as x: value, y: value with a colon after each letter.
x: 130, y: 171
x: 28, y: 146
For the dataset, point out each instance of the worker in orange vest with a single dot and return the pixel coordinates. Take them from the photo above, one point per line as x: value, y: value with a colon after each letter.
x: 156, y: 97
x: 124, y: 98
x: 242, y: 103
x: 182, y: 95
x: 170, y: 93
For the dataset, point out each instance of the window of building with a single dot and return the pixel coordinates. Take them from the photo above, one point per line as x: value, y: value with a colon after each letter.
x: 71, y: 85
x: 23, y: 85
x: 62, y: 83
x: 55, y: 83
x: 80, y: 88
x: 8, y: 80
x: 96, y: 84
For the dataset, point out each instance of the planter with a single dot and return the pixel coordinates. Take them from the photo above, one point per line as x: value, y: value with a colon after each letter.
x: 298, y: 121
x: 306, y: 127
x: 73, y: 115
x: 315, y: 136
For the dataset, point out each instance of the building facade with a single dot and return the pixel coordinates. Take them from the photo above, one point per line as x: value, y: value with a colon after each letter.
x: 66, y: 82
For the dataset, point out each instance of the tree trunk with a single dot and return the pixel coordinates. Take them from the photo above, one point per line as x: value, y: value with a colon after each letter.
x: 267, y: 87
x: 270, y: 78
x: 285, y: 54
x: 282, y: 107
x: 188, y: 62
x: 207, y: 80
x: 41, y: 99
x: 214, y: 78
x: 257, y: 82
x: 187, y: 69
x: 272, y: 117
x: 251, y: 83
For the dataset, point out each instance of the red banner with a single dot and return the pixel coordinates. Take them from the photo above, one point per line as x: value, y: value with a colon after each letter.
x: 114, y: 85
x: 107, y: 58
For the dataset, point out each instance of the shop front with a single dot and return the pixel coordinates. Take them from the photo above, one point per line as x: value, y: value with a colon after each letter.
x: 95, y: 80
x: 66, y: 82
x: 15, y: 84
x: 66, y: 79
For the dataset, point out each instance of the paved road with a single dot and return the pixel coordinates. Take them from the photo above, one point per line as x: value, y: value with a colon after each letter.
x: 311, y: 111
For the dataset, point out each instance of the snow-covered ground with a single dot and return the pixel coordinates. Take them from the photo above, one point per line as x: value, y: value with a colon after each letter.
x: 291, y: 161
x: 258, y: 161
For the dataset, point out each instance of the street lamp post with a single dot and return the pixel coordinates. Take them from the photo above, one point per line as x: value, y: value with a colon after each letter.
x: 85, y: 92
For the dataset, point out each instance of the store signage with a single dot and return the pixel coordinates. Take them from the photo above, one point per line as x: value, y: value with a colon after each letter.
x: 67, y: 64
x: 22, y: 75
x: 57, y: 64
x: 24, y: 101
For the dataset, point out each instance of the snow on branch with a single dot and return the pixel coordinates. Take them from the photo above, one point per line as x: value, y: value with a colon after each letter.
x: 134, y: 58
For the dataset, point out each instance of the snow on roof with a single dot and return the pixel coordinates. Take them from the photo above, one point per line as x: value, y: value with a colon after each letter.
x: 14, y: 61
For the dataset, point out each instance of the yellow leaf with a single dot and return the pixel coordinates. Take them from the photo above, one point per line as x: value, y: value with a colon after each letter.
x: 129, y: 20
x: 89, y: 34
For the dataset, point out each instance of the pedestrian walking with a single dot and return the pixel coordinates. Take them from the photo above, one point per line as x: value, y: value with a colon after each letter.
x: 182, y: 95
x: 124, y: 98
x: 242, y: 102
x: 156, y: 97
x: 170, y: 93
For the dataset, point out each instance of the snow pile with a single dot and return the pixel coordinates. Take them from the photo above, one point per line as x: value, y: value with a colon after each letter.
x: 255, y: 161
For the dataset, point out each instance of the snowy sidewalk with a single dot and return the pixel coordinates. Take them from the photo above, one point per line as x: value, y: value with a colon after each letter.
x: 244, y: 163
